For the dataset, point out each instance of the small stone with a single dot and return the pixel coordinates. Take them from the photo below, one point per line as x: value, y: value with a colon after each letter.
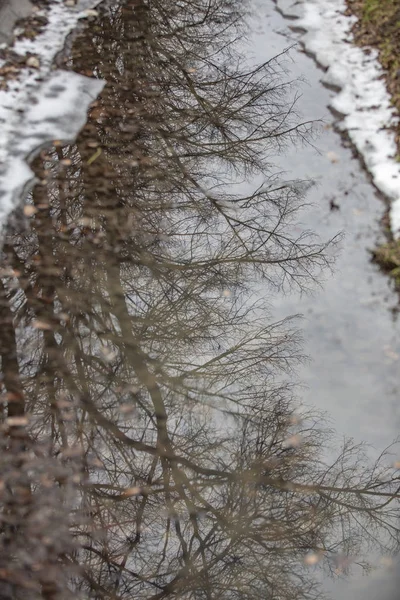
x: 69, y: 3
x: 33, y: 62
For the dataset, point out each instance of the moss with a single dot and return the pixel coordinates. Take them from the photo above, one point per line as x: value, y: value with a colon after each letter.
x: 388, y: 257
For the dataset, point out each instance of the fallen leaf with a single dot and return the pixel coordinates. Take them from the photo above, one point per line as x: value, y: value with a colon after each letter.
x: 85, y: 222
x: 126, y: 408
x: 390, y: 353
x: 9, y: 272
x: 29, y: 210
x: 133, y: 491
x: 293, y: 442
x: 333, y: 157
x: 109, y: 355
x: 17, y: 421
x: 312, y: 558
x: 96, y: 462
x: 12, y: 397
x: 42, y: 325
x: 62, y: 316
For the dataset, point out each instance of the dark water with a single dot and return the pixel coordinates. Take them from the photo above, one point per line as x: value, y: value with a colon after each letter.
x: 157, y: 398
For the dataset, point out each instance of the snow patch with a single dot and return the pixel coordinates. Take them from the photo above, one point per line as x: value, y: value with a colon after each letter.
x: 40, y: 105
x: 363, y: 100
x: 57, y: 112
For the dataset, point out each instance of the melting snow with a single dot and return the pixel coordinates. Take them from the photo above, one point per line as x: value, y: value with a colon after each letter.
x: 41, y: 105
x: 363, y: 100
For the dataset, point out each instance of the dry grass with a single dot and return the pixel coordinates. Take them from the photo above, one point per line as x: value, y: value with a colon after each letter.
x: 388, y: 257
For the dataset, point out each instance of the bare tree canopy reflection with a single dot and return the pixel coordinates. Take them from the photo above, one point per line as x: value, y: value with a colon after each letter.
x: 151, y: 444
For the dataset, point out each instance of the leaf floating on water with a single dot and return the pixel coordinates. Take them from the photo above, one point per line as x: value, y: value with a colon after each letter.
x: 387, y: 561
x: 11, y: 397
x: 108, y: 354
x: 312, y: 558
x: 390, y: 353
x: 17, y: 421
x: 96, y: 462
x: 295, y: 419
x: 293, y: 442
x: 29, y: 210
x: 126, y: 408
x: 9, y: 272
x: 62, y: 316
x: 42, y: 325
x: 133, y: 491
x: 333, y: 157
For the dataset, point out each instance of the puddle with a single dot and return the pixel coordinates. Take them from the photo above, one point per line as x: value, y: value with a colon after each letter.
x: 131, y: 350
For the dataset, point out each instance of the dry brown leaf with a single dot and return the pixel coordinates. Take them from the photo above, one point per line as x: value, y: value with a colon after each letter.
x: 312, y: 558
x: 133, y: 491
x: 42, y: 325
x: 17, y: 421
x: 333, y: 157
x: 29, y: 210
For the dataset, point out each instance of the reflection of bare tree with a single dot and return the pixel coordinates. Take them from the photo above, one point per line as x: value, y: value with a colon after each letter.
x: 150, y: 442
